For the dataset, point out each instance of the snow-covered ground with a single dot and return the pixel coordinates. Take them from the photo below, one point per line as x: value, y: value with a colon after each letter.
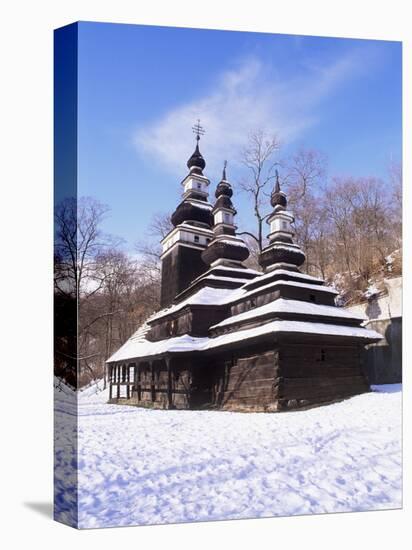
x: 140, y: 466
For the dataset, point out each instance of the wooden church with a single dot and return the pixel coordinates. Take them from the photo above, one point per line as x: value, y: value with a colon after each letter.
x: 229, y: 337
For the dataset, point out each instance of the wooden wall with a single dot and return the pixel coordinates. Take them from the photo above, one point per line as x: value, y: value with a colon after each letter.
x: 312, y: 374
x: 284, y: 376
x: 245, y: 381
x: 193, y: 320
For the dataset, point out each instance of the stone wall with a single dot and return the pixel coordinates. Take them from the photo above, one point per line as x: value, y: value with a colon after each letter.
x: 383, y: 313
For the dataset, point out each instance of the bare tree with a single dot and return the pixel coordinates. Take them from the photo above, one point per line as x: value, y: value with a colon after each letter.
x: 362, y: 232
x: 395, y: 178
x: 258, y: 158
x: 160, y: 225
x: 149, y: 251
x: 303, y: 173
x: 79, y: 242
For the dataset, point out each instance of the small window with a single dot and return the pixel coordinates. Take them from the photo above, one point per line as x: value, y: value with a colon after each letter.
x: 172, y: 327
x: 226, y: 218
x: 196, y: 238
x: 284, y: 225
x: 253, y: 302
x: 208, y: 240
x: 321, y: 355
x: 199, y: 186
x: 312, y: 298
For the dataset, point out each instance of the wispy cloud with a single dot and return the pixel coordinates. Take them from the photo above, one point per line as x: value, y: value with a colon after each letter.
x: 243, y: 99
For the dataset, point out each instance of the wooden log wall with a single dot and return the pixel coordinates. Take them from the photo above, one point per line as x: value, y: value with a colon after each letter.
x: 247, y: 382
x: 193, y: 320
x: 315, y: 374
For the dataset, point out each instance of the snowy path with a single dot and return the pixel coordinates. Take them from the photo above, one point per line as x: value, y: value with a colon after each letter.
x: 140, y: 466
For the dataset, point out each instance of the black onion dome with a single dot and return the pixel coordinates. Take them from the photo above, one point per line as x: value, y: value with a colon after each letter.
x: 196, y: 162
x: 278, y: 198
x: 223, y: 188
x: 188, y: 211
x: 224, y: 201
x: 289, y: 254
x: 224, y: 249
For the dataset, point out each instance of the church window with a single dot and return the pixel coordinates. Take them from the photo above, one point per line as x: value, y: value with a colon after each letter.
x: 172, y: 327
x: 196, y: 238
x: 226, y: 218
x: 284, y: 225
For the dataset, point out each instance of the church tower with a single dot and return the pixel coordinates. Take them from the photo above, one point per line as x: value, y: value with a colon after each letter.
x: 192, y: 222
x: 281, y: 252
x: 226, y: 249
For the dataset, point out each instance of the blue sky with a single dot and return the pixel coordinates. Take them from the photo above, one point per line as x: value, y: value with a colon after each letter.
x: 141, y: 89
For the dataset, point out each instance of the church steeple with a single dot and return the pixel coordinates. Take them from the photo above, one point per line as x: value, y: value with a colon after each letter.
x: 225, y: 248
x: 195, y: 208
x: 192, y: 221
x: 281, y: 252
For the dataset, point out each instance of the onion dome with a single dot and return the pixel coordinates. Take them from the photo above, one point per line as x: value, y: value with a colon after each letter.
x: 224, y: 187
x: 278, y: 198
x: 224, y: 193
x: 228, y: 250
x: 196, y: 162
x: 193, y: 211
x: 281, y: 253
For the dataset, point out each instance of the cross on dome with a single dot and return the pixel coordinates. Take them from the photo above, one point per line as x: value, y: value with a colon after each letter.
x: 198, y: 130
x: 197, y: 163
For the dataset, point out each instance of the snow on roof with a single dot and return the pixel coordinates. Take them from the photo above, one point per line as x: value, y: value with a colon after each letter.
x: 240, y: 270
x: 292, y: 274
x: 224, y: 278
x: 200, y: 204
x: 283, y: 246
x: 205, y: 296
x: 133, y: 349
x: 283, y: 305
x: 224, y: 296
x: 242, y: 292
x: 237, y: 242
x: 290, y: 327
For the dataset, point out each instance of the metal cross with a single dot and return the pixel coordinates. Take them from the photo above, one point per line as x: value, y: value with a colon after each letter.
x: 224, y: 170
x: 198, y: 130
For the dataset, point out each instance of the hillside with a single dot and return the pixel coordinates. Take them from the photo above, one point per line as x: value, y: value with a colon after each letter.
x: 356, y: 289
